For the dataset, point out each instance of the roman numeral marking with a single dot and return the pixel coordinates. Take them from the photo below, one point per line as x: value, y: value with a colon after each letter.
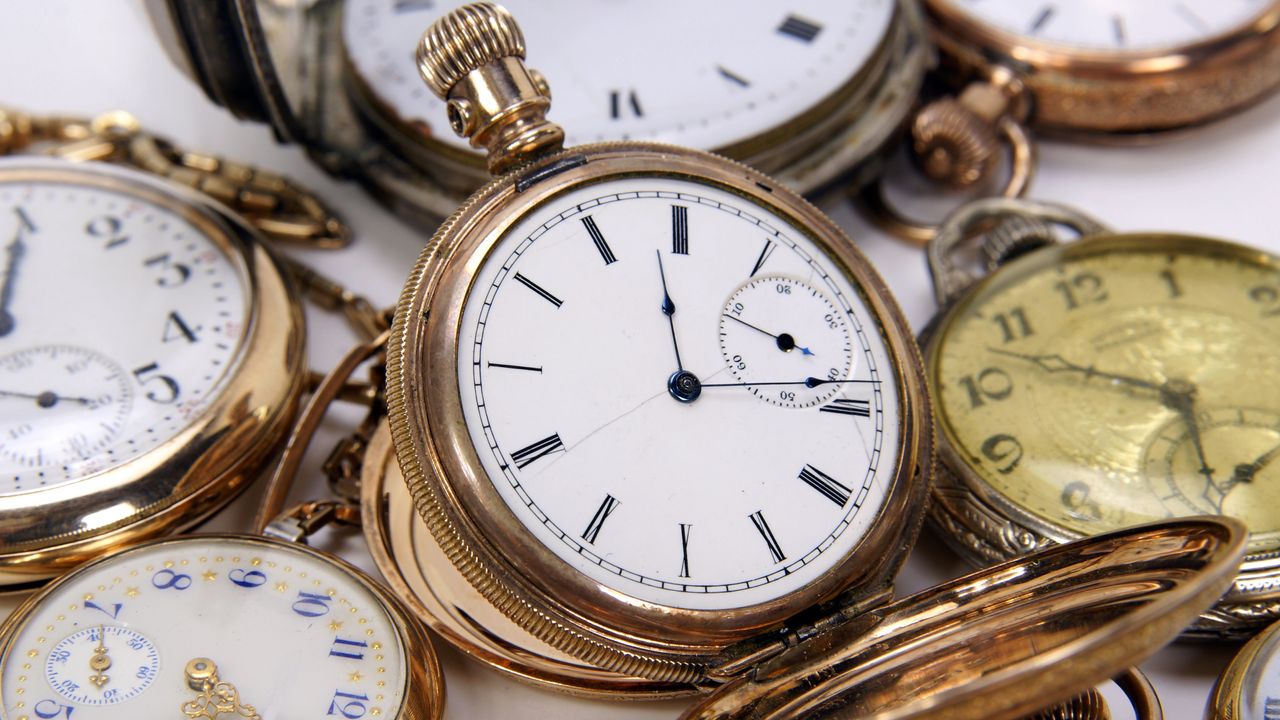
x: 544, y: 447
x: 775, y: 550
x: 597, y: 521
x: 413, y: 5
x: 602, y: 245
x: 1117, y: 28
x: 684, y: 549
x: 799, y: 28
x: 538, y: 289
x: 764, y: 255
x: 344, y: 648
x: 830, y: 488
x: 841, y: 406
x: 733, y: 77
x: 679, y: 230
x: 1042, y: 19
x: 24, y: 220
x: 616, y: 104
x: 1192, y: 18
x: 508, y: 366
x: 1271, y: 709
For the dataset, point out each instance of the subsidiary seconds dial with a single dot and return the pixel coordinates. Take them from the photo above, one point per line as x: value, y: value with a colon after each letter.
x: 777, y: 327
x: 60, y: 404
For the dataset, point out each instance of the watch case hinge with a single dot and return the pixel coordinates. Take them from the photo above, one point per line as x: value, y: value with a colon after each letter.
x: 745, y: 656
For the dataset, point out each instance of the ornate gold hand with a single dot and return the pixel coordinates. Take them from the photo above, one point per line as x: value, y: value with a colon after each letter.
x: 100, y: 661
x: 215, y: 697
x: 1244, y: 473
x: 1180, y: 396
x: 1055, y: 363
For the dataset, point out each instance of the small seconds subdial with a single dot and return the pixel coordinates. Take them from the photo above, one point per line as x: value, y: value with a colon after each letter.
x: 788, y: 337
x: 102, y: 665
x: 60, y: 404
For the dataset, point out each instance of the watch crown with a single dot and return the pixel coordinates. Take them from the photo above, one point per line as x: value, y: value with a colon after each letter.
x: 473, y: 59
x: 467, y: 39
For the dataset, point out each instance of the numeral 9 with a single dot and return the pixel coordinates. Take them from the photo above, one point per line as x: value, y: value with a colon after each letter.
x: 1005, y: 450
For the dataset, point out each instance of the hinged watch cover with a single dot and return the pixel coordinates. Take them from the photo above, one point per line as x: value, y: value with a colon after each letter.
x: 1003, y: 642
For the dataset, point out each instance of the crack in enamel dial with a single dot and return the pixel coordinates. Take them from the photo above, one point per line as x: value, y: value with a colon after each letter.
x: 597, y: 391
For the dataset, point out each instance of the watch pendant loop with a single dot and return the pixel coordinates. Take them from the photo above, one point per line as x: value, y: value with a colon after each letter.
x: 473, y: 59
x: 977, y: 218
x: 1022, y: 168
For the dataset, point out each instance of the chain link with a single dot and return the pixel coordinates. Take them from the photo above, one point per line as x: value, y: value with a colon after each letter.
x: 280, y: 209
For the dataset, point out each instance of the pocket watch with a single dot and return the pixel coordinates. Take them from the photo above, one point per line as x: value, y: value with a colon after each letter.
x: 216, y: 626
x: 1114, y: 68
x: 151, y: 351
x: 810, y: 92
x: 1250, y: 686
x: 1114, y: 380
x: 662, y: 418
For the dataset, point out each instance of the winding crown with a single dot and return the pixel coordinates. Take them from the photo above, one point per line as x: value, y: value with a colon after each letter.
x: 467, y: 39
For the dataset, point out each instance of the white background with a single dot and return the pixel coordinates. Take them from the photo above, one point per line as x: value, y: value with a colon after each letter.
x: 87, y: 57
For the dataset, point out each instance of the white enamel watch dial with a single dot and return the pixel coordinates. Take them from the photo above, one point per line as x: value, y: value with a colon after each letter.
x: 119, y: 319
x: 699, y: 74
x: 291, y: 634
x: 607, y: 394
x: 1116, y: 25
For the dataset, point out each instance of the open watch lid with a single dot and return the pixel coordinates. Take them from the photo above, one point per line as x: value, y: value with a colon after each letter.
x: 1003, y: 642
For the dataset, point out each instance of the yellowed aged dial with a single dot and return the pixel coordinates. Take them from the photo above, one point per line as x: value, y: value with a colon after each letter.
x: 1119, y: 380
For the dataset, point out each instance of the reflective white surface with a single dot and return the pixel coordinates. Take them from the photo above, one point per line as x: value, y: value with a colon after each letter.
x: 61, y: 55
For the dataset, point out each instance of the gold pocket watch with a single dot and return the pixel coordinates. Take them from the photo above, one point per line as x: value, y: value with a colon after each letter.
x: 667, y: 429
x: 1114, y: 69
x: 1117, y: 379
x: 810, y: 92
x: 216, y: 626
x: 1250, y: 686
x: 151, y: 350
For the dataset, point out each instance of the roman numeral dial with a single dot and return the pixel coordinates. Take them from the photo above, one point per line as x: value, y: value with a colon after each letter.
x: 570, y: 388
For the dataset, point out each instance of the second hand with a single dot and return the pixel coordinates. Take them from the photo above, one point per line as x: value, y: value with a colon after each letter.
x: 809, y: 382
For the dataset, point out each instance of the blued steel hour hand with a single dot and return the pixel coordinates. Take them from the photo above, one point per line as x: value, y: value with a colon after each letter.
x: 16, y: 250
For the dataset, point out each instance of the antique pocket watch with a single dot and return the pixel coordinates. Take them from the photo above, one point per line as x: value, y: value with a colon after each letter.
x: 1250, y: 686
x: 809, y: 93
x: 665, y: 424
x: 1113, y: 380
x: 1099, y: 69
x: 151, y: 355
x: 216, y: 626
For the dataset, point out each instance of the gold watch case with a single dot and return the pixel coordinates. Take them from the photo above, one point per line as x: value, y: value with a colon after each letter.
x: 482, y: 537
x: 1244, y: 690
x: 45, y: 532
x: 1088, y: 465
x: 424, y: 693
x: 280, y: 63
x: 1102, y: 93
